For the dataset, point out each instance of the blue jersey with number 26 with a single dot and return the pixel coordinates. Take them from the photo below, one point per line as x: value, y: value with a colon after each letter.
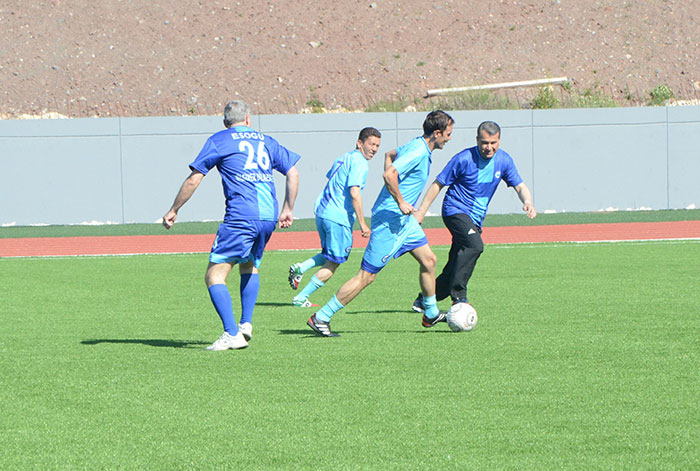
x: 245, y: 159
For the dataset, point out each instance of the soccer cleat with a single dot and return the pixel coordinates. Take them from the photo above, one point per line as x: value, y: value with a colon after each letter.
x: 304, y: 303
x: 228, y: 341
x: 320, y: 327
x: 432, y: 322
x: 419, y: 304
x: 295, y: 275
x: 246, y: 329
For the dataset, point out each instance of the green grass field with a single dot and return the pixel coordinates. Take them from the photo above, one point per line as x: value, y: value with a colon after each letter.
x: 585, y: 357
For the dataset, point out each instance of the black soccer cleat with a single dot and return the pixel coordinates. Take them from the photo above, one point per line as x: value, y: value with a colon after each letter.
x: 432, y: 322
x: 320, y: 327
x: 419, y: 304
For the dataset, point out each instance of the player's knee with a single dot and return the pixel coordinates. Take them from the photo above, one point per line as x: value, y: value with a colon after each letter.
x: 429, y: 262
x: 367, y: 278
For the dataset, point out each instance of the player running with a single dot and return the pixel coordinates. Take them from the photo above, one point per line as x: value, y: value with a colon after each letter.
x: 394, y: 229
x: 245, y: 160
x: 336, y: 208
x: 473, y: 175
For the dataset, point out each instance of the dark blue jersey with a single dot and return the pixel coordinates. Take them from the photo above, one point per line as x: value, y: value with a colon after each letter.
x: 245, y: 159
x: 473, y: 180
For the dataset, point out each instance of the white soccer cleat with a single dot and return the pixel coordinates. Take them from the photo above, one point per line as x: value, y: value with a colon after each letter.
x: 228, y: 342
x: 246, y: 329
x: 295, y: 276
x: 305, y: 303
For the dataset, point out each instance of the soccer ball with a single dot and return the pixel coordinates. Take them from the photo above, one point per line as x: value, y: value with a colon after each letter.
x: 461, y: 317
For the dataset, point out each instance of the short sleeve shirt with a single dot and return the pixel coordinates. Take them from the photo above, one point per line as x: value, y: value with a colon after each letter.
x: 245, y: 159
x: 335, y: 202
x: 413, y: 166
x: 473, y: 180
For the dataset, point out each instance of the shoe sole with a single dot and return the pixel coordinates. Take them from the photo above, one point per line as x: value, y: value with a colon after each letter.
x: 227, y: 348
x: 315, y: 329
x: 432, y: 324
x: 417, y: 309
x: 294, y: 284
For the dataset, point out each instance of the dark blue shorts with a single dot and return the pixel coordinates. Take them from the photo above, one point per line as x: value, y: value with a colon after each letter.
x: 241, y: 242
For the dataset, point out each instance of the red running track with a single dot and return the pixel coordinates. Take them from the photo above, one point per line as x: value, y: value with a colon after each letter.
x: 288, y: 240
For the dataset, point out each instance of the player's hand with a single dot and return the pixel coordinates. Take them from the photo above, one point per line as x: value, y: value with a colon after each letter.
x: 366, y: 231
x: 530, y: 210
x: 169, y: 219
x: 286, y: 219
x: 419, y: 215
x: 406, y: 208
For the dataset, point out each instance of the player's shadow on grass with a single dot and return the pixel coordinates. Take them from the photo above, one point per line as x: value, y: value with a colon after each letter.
x: 305, y: 333
x: 385, y: 311
x: 150, y: 342
x: 289, y: 304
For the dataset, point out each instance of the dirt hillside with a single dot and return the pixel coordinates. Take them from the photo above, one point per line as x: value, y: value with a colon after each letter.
x: 136, y: 58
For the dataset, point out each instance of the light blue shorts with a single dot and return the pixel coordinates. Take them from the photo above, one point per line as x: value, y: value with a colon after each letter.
x: 241, y: 242
x: 336, y: 240
x: 392, y: 236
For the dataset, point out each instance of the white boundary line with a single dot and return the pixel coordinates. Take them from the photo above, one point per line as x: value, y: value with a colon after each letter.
x: 437, y: 247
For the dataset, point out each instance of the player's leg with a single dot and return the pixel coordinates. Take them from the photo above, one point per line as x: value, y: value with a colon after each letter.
x: 249, y: 289
x: 442, y: 282
x: 250, y: 279
x: 297, y: 270
x: 427, y: 260
x: 382, y: 245
x: 317, y: 281
x: 215, y: 279
x: 336, y: 240
x: 320, y: 321
x: 467, y: 247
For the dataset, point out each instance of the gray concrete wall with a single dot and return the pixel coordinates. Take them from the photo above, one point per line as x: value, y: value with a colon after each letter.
x: 125, y: 170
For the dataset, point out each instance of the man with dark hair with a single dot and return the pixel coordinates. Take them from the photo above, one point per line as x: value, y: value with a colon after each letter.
x: 245, y: 159
x: 336, y: 208
x: 472, y: 176
x: 394, y: 229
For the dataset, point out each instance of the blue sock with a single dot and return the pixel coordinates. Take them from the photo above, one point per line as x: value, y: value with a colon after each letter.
x: 315, y: 261
x: 250, y: 286
x: 327, y: 311
x: 308, y: 290
x: 431, y: 309
x: 221, y: 299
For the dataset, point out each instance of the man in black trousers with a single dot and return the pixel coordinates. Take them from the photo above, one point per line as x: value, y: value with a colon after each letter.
x: 472, y: 177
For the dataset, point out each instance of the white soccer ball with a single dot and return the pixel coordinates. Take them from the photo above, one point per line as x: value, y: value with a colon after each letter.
x: 461, y: 317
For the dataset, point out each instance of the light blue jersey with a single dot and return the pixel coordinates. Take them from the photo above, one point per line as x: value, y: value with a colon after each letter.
x: 335, y: 202
x: 413, y: 165
x: 245, y: 160
x: 473, y: 180
x: 395, y: 233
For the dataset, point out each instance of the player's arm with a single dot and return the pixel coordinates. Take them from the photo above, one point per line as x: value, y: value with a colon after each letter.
x: 356, y: 195
x: 186, y: 191
x: 290, y: 196
x: 526, y: 198
x: 389, y: 158
x: 428, y: 199
x: 391, y: 181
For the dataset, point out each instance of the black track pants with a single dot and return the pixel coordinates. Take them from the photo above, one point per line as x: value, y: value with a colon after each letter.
x: 464, y: 252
